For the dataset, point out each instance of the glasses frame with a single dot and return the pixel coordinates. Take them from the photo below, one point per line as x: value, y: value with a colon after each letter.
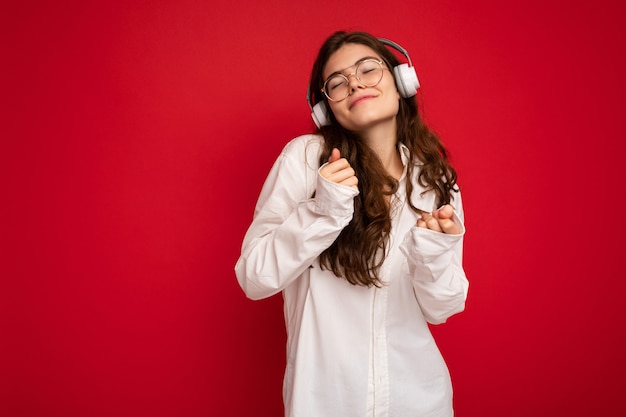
x: 355, y: 73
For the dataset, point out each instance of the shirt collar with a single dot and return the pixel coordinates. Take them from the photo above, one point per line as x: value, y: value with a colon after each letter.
x: 405, y: 154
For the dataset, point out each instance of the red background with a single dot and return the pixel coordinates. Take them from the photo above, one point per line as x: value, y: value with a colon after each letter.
x: 136, y: 137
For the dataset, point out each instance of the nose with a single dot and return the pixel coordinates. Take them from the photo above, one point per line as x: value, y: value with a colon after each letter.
x: 353, y: 82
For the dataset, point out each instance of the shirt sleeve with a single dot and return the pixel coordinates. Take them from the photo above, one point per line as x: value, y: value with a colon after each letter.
x: 290, y: 228
x: 434, y: 263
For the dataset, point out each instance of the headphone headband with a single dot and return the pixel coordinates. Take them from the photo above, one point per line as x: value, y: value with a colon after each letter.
x: 397, y: 48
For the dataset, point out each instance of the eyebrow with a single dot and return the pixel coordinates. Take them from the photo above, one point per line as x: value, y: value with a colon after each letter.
x: 353, y: 65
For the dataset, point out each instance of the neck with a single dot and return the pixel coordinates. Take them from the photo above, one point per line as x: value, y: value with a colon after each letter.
x: 383, y: 140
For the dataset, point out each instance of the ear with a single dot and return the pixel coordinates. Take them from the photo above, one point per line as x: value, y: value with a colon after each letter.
x: 320, y: 114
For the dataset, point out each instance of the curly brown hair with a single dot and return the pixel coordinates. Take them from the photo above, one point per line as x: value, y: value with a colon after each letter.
x: 359, y: 251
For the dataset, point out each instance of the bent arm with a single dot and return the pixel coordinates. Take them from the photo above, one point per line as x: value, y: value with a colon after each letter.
x: 290, y: 229
x: 434, y: 262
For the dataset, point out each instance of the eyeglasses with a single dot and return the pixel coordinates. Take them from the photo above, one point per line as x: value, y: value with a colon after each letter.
x: 368, y: 72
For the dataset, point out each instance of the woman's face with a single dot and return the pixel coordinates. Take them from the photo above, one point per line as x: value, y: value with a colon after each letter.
x: 365, y: 107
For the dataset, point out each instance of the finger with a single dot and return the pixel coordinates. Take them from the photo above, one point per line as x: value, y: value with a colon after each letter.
x: 347, y: 178
x: 351, y: 181
x: 332, y: 168
x: 337, y: 171
x: 342, y: 175
x: 445, y: 212
x: 444, y: 217
x: 448, y: 226
x: 334, y: 155
x: 431, y: 222
x: 421, y: 223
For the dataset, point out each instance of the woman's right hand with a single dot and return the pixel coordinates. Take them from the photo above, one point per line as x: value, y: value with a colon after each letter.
x: 338, y: 170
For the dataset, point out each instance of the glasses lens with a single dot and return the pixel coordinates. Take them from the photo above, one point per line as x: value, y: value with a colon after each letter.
x: 369, y: 72
x: 336, y: 87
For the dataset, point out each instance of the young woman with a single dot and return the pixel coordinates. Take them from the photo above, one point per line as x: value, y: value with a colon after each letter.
x: 360, y: 226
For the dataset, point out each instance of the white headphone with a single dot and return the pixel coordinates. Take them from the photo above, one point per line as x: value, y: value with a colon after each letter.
x: 404, y: 74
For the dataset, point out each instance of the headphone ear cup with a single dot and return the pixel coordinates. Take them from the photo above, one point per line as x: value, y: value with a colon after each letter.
x: 320, y: 114
x: 406, y: 80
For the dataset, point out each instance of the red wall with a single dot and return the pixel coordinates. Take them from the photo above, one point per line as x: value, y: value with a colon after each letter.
x: 135, y: 139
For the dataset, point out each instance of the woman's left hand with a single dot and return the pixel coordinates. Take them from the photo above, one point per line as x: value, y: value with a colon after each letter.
x: 440, y: 220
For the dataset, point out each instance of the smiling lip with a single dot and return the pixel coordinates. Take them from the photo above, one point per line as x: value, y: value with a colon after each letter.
x: 360, y: 100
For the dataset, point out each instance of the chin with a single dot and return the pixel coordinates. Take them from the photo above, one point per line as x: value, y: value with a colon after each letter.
x: 360, y: 124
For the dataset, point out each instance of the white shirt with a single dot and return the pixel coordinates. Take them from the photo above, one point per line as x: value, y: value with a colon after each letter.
x: 353, y: 351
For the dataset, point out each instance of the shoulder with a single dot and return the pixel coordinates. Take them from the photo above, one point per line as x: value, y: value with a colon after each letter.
x: 304, y: 148
x: 303, y: 143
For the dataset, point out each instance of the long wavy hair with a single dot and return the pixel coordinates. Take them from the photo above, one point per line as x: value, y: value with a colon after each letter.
x: 359, y: 251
